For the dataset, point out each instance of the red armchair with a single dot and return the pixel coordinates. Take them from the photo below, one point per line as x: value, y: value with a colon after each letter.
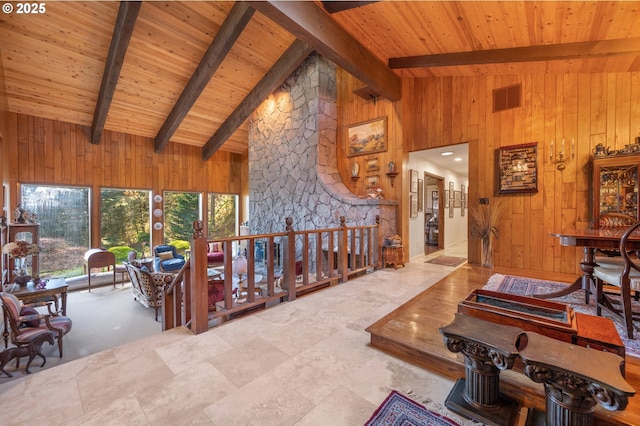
x: 215, y: 255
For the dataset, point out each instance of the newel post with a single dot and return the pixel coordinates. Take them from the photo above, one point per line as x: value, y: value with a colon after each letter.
x: 289, y: 264
x: 198, y: 281
x: 377, y: 245
x: 343, y: 252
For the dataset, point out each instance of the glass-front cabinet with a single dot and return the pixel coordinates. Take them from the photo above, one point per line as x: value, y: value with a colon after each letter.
x: 615, y: 185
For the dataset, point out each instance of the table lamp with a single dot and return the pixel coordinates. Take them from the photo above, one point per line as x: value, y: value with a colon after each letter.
x: 239, y: 267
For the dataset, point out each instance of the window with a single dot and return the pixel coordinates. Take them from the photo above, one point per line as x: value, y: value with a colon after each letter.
x: 181, y: 209
x: 63, y: 215
x: 124, y: 219
x: 222, y: 215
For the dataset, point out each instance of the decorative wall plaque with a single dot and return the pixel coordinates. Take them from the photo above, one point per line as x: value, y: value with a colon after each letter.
x: 517, y: 168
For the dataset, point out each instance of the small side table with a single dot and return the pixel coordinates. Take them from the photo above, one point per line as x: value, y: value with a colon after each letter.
x: 393, y: 255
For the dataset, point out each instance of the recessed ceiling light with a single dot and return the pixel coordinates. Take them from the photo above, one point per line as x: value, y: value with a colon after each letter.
x: 457, y: 159
x: 444, y: 154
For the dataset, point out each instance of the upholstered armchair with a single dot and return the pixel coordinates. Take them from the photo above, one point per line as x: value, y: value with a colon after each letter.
x: 24, y: 328
x: 147, y: 286
x: 167, y: 259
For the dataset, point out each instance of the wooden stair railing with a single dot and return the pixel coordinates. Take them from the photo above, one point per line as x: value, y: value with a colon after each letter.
x: 311, y: 259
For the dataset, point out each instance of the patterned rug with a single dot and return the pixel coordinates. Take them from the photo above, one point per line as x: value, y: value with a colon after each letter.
x: 528, y: 286
x: 399, y: 410
x: 447, y: 260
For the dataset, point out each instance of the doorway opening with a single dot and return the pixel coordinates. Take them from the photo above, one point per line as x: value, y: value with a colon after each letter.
x: 434, y: 208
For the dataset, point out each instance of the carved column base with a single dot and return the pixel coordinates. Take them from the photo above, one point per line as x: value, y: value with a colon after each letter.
x: 503, y: 413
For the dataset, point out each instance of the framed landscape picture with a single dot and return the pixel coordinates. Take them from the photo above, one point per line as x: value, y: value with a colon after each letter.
x: 371, y: 164
x: 367, y: 137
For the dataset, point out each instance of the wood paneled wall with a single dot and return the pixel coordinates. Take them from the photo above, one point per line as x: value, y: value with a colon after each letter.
x: 4, y: 119
x: 434, y: 112
x: 353, y: 109
x: 59, y: 153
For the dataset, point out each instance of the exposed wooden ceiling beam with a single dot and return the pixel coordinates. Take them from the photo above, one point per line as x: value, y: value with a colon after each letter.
x: 279, y: 72
x: 230, y: 30
x: 578, y: 50
x: 126, y: 20
x: 309, y: 22
x: 340, y: 6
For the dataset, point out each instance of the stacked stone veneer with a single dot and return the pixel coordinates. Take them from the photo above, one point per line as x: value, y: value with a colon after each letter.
x: 292, y: 159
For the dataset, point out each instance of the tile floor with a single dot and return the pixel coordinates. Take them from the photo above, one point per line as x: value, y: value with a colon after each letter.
x: 307, y: 362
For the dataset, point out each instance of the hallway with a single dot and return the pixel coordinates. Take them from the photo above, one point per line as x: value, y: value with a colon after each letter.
x: 307, y: 362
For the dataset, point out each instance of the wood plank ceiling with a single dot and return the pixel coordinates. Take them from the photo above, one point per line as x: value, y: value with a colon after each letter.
x: 167, y: 87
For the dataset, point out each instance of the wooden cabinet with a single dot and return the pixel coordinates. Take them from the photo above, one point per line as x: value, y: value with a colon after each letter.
x: 27, y: 232
x: 615, y: 185
x: 393, y: 255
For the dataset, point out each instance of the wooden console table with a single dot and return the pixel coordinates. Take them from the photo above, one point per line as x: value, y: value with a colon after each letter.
x: 55, y: 290
x: 487, y: 348
x: 575, y: 378
x: 393, y: 255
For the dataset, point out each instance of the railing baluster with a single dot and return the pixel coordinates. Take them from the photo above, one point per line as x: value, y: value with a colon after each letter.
x: 186, y: 299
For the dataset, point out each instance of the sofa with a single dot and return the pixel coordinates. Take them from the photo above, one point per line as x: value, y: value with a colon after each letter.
x: 215, y: 255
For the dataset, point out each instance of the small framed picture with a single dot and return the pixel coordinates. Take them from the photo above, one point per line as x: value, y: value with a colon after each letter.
x: 372, y: 181
x: 414, y: 205
x: 414, y: 181
x: 420, y: 194
x: 372, y: 165
x: 457, y: 199
x: 451, y: 189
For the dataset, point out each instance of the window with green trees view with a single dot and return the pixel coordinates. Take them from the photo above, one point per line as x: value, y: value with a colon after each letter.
x: 222, y: 215
x: 125, y: 221
x: 63, y: 215
x: 181, y: 209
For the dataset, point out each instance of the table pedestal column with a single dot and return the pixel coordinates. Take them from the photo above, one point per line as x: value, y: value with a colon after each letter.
x: 487, y: 348
x: 575, y: 380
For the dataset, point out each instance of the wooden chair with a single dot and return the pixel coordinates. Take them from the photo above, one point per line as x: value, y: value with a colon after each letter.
x: 625, y: 276
x: 611, y: 221
x: 24, y: 328
x: 121, y: 269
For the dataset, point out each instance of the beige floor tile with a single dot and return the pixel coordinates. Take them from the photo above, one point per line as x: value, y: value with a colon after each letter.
x: 308, y: 362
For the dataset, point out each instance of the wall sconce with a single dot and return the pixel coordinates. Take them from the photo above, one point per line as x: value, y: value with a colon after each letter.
x: 355, y: 172
x: 561, y: 158
x: 392, y: 172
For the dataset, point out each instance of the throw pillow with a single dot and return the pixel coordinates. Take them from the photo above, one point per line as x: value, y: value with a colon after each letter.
x: 216, y: 247
x: 28, y: 310
x: 165, y: 255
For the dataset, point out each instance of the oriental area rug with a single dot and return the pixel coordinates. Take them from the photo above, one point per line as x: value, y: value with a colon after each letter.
x: 399, y: 410
x: 529, y: 286
x: 447, y: 260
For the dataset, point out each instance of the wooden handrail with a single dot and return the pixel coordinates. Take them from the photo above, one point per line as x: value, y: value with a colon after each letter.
x: 338, y: 254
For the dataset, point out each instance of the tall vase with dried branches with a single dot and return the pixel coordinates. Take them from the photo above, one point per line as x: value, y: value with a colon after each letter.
x: 484, y: 226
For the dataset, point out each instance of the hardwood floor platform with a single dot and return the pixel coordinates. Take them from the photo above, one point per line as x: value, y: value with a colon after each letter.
x: 411, y: 332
